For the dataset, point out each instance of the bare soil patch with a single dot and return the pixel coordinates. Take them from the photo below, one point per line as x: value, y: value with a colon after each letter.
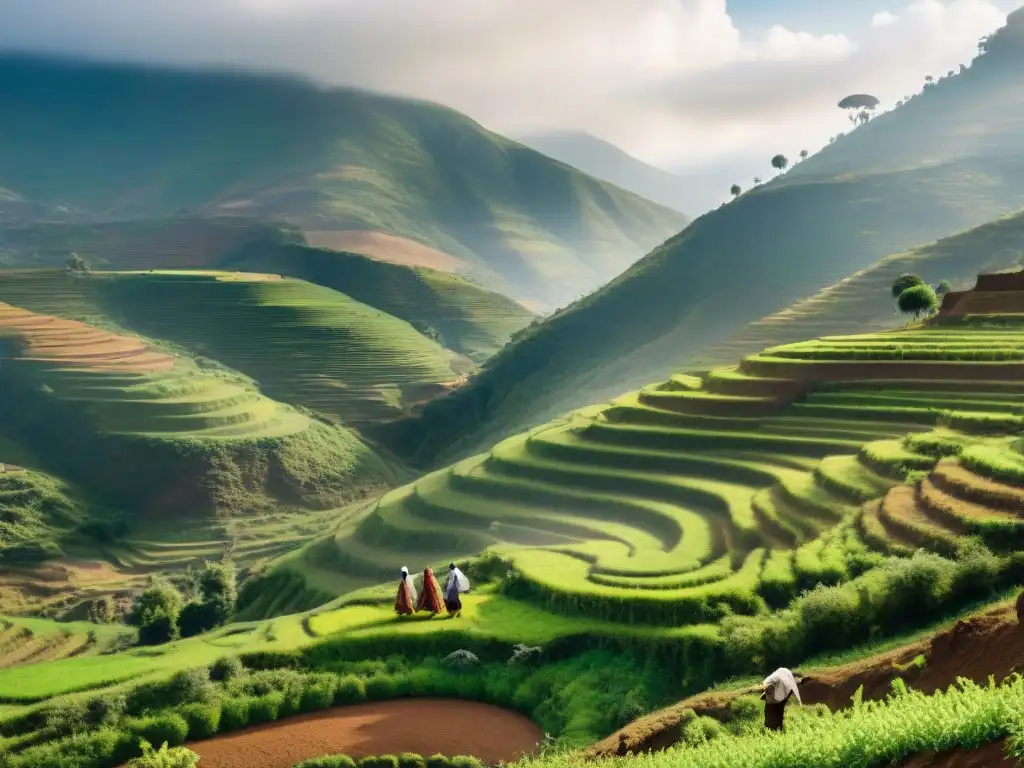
x: 990, y: 643
x: 384, y: 247
x: 411, y: 725
x: 989, y: 756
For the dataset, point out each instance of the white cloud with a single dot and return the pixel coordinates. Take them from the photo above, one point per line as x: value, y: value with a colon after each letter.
x: 673, y: 81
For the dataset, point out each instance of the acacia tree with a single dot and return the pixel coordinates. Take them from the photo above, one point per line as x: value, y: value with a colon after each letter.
x: 757, y: 180
x: 917, y: 299
x: 779, y: 162
x: 858, y: 104
x: 735, y: 190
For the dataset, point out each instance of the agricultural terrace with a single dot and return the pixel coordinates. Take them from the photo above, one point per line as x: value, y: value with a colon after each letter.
x: 303, y: 343
x: 700, y: 498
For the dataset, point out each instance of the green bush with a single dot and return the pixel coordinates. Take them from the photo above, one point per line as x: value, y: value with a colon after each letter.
x: 380, y: 761
x: 463, y: 761
x: 174, y: 757
x: 438, y: 761
x: 328, y: 761
x: 350, y: 690
x: 191, y: 686
x: 203, y: 720
x: 226, y: 669
x: 411, y: 760
x: 234, y: 713
x: 318, y: 693
x: 701, y: 730
x: 101, y: 748
x: 265, y: 709
x: 169, y: 727
x: 106, y: 710
x: 64, y: 718
x: 381, y: 688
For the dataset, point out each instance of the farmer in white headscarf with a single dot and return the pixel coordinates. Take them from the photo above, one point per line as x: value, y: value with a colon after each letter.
x: 778, y: 687
x: 406, y: 598
x: 456, y: 583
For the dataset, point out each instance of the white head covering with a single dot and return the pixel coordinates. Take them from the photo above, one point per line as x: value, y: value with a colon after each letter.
x: 409, y: 584
x: 461, y: 582
x: 782, y: 684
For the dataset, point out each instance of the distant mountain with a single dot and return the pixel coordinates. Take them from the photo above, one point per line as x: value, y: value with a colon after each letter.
x: 603, y: 160
x: 949, y: 159
x: 404, y: 180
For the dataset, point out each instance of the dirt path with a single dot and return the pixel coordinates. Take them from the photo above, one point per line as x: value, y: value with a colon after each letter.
x: 426, y: 727
x: 989, y: 643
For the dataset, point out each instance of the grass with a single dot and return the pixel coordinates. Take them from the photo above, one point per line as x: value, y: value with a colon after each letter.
x: 353, y: 161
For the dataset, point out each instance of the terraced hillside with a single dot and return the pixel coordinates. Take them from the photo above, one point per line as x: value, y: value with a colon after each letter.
x: 468, y: 318
x: 394, y: 174
x: 947, y: 160
x: 303, y: 343
x: 87, y: 400
x: 694, y: 499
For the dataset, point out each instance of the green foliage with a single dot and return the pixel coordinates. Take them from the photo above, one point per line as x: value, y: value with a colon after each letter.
x: 155, y: 612
x: 216, y: 585
x: 328, y: 761
x: 918, y: 299
x: 169, y: 727
x: 943, y: 287
x: 903, y: 282
x: 226, y: 669
x: 175, y: 757
x: 203, y: 720
x: 350, y: 690
x: 234, y: 712
x: 381, y: 761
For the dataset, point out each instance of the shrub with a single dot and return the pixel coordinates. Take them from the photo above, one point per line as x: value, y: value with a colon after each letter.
x: 106, y: 710
x: 203, y: 720
x: 437, y: 761
x: 463, y: 761
x: 328, y: 761
x: 175, y: 757
x: 381, y: 688
x: 318, y: 693
x: 234, y: 713
x: 102, y: 747
x: 64, y: 718
x: 381, y: 761
x: 350, y: 690
x: 701, y: 730
x: 191, y: 686
x: 977, y: 571
x: 226, y: 669
x: 156, y: 729
x: 265, y: 709
x: 155, y: 612
x: 411, y: 760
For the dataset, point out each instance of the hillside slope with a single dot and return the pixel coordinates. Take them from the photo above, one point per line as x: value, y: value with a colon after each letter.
x: 470, y: 319
x: 606, y: 161
x: 862, y: 302
x: 123, y: 142
x: 947, y: 160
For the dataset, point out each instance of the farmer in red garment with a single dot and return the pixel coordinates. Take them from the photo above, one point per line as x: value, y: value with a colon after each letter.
x: 430, y: 593
x: 406, y: 594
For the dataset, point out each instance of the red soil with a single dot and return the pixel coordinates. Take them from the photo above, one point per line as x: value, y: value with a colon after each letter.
x: 425, y: 727
x: 384, y: 247
x: 989, y: 756
x: 990, y: 643
x: 70, y: 343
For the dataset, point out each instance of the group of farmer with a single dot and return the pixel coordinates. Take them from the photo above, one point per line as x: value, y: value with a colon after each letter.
x: 431, y: 597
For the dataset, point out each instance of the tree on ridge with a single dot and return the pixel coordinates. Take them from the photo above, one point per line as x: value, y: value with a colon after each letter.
x: 779, y: 162
x: 735, y: 190
x: 904, y: 281
x: 917, y: 299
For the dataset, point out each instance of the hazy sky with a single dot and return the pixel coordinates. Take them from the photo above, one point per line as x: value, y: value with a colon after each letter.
x: 681, y: 83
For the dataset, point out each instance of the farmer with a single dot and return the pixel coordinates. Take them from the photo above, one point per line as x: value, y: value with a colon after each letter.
x: 778, y: 687
x: 457, y: 582
x: 406, y: 594
x: 430, y: 594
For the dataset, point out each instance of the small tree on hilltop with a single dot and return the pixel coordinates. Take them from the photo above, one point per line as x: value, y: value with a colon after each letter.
x: 757, y: 180
x: 155, y: 612
x: 735, y: 190
x: 917, y: 299
x: 803, y: 154
x: 943, y: 288
x: 779, y: 162
x: 901, y: 283
x: 858, y: 103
